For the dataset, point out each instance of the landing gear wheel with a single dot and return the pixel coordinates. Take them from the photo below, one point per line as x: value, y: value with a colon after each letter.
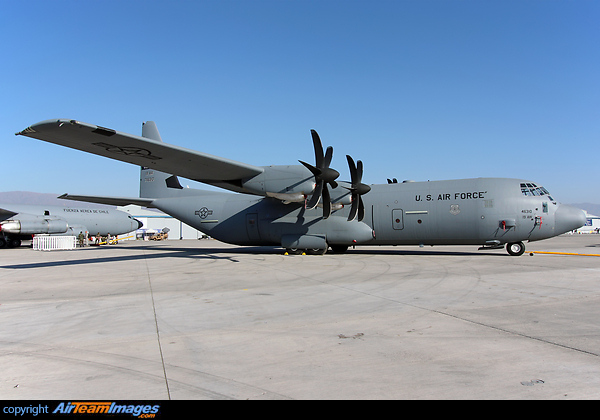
x: 2, y: 242
x: 316, y: 251
x: 293, y: 251
x: 14, y: 243
x: 515, y: 248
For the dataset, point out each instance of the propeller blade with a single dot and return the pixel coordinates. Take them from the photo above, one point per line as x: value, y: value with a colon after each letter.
x: 353, y: 207
x: 326, y: 203
x: 328, y: 157
x: 323, y: 175
x: 361, y: 209
x: 316, y: 196
x: 352, y: 167
x: 315, y: 171
x: 357, y: 189
x: 318, y: 148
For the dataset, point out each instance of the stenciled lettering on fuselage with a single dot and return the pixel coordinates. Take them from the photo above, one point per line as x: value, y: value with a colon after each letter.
x: 472, y: 195
x: 89, y: 211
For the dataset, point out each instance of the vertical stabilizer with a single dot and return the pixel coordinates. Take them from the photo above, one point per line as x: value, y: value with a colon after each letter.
x: 150, y: 131
x: 153, y: 183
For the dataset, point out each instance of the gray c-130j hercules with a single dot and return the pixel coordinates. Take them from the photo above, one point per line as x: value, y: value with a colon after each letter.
x: 305, y: 208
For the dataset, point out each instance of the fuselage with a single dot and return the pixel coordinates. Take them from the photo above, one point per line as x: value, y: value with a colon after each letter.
x: 468, y: 211
x: 480, y: 211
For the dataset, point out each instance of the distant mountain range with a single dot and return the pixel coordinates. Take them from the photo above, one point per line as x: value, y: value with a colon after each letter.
x: 593, y: 209
x: 26, y: 197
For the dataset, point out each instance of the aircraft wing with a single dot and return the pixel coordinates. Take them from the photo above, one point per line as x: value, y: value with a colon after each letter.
x: 114, y: 201
x: 141, y: 151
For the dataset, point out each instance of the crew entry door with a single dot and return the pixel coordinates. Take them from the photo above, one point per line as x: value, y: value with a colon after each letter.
x: 398, y: 219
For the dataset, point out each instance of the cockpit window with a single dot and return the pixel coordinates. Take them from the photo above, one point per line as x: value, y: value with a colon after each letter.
x: 529, y: 189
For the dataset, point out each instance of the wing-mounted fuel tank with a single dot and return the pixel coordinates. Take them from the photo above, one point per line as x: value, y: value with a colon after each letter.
x: 29, y: 225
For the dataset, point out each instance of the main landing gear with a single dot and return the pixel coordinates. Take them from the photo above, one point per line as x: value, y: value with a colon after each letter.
x: 298, y: 251
x: 8, y: 242
x: 336, y: 249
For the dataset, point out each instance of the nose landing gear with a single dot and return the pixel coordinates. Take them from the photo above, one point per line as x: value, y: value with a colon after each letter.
x: 515, y: 248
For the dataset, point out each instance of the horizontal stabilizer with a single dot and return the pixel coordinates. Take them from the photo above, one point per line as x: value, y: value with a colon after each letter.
x: 113, y: 201
x: 5, y: 214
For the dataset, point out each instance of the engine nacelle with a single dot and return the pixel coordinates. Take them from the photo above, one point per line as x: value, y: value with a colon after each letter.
x: 288, y: 183
x: 34, y: 226
x: 341, y: 195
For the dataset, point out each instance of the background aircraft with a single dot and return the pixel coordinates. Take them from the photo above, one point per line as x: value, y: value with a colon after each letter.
x: 21, y: 221
x: 304, y: 207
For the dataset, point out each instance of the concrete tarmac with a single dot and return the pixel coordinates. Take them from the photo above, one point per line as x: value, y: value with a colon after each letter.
x: 205, y: 320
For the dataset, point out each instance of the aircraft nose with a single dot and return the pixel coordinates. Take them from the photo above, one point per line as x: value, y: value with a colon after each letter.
x: 568, y: 218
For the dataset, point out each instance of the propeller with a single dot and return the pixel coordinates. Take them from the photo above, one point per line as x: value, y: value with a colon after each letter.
x: 357, y: 189
x: 323, y: 175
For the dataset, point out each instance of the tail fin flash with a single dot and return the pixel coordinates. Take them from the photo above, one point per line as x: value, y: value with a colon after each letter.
x: 156, y: 184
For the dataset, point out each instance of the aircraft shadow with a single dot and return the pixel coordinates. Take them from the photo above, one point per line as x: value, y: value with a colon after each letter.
x: 424, y: 252
x: 217, y: 253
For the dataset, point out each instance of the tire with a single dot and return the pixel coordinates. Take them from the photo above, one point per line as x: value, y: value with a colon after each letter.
x: 515, y: 248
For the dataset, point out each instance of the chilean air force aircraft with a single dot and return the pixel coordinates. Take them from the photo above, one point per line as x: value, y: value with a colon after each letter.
x: 303, y: 208
x: 20, y: 221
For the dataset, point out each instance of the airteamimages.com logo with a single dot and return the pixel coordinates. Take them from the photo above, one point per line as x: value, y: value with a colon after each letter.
x: 141, y: 411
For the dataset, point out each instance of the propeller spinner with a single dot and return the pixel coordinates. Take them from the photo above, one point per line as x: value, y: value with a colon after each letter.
x: 357, y: 189
x: 323, y: 175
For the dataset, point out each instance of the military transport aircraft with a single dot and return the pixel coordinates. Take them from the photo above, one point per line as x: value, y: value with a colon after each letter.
x: 21, y: 221
x: 304, y: 208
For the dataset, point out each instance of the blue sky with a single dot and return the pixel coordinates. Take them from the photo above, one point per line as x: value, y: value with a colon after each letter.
x: 421, y: 90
